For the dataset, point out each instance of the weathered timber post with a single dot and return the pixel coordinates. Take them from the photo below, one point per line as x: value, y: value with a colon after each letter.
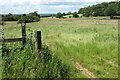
x: 38, y: 41
x: 23, y: 24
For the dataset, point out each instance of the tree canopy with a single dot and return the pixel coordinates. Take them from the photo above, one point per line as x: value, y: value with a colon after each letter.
x: 59, y: 15
x: 103, y: 9
x: 75, y: 15
x: 10, y: 17
x: 31, y: 17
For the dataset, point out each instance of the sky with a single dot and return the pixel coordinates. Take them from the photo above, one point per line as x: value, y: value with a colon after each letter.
x: 44, y: 6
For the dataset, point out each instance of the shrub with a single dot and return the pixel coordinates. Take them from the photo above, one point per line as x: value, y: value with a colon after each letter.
x: 11, y: 18
x: 59, y: 15
x: 75, y: 15
x: 69, y: 16
x: 29, y: 19
x: 2, y: 23
x: 114, y: 17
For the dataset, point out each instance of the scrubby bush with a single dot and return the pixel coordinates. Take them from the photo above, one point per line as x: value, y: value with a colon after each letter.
x: 10, y: 17
x: 29, y: 19
x: 75, y: 15
x: 114, y: 17
x: 34, y: 14
x: 69, y: 16
x: 2, y: 23
x: 59, y: 15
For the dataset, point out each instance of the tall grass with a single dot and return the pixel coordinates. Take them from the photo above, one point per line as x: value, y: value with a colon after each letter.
x: 78, y: 40
x: 27, y: 63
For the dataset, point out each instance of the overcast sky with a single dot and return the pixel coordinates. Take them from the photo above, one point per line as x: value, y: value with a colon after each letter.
x: 44, y: 6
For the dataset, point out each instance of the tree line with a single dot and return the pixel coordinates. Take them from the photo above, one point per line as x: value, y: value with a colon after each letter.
x: 111, y: 9
x: 61, y: 15
x: 27, y: 18
x: 33, y: 17
x: 103, y: 9
x: 10, y: 17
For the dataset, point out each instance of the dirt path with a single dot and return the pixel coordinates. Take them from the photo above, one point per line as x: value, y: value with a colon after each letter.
x: 86, y: 71
x: 90, y: 74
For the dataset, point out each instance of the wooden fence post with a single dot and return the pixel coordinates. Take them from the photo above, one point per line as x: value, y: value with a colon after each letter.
x: 23, y: 33
x: 38, y: 41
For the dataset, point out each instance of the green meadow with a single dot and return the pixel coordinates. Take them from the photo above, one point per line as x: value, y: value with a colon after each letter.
x: 91, y: 42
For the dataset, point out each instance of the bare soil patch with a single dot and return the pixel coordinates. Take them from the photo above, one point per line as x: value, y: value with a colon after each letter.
x: 86, y: 71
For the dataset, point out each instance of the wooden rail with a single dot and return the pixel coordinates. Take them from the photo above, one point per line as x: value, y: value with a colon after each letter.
x: 23, y: 39
x: 12, y: 40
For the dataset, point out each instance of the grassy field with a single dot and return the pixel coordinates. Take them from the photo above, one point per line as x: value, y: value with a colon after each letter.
x: 92, y: 43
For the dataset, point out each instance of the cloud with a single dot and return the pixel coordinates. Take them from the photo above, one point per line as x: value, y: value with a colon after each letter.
x: 62, y: 6
x: 43, y: 6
